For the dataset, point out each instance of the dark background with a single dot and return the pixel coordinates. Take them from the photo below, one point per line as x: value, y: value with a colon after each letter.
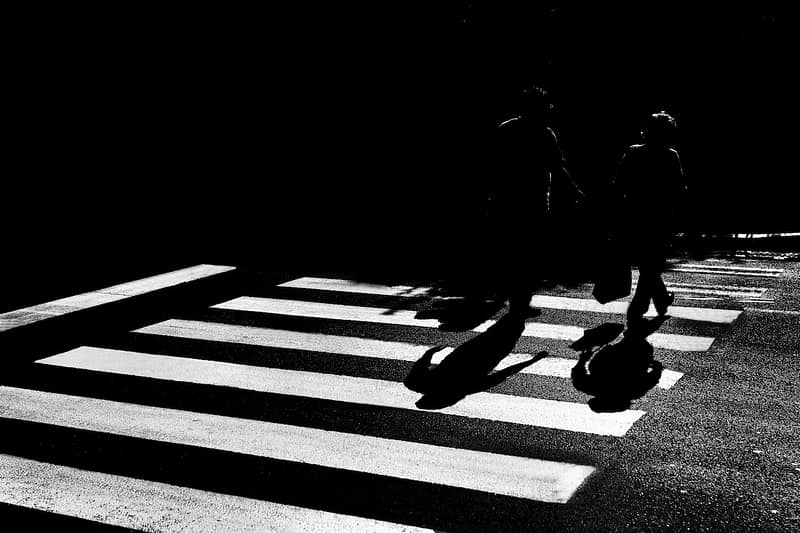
x: 318, y: 128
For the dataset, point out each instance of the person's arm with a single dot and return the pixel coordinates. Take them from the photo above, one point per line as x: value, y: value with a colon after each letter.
x: 621, y: 177
x: 567, y: 192
x: 683, y: 187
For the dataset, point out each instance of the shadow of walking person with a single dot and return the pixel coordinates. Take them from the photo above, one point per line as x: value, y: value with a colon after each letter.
x: 470, y: 367
x: 598, y: 336
x: 616, y: 374
x: 461, y: 313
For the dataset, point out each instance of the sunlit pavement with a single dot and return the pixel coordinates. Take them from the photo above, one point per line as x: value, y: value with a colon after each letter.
x: 278, y: 400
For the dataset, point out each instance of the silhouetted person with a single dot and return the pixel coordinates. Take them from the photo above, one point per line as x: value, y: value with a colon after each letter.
x: 527, y: 157
x: 469, y: 368
x: 616, y: 374
x: 650, y: 180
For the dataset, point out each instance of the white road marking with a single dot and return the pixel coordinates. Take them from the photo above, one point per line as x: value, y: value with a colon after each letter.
x: 62, y: 306
x: 726, y: 272
x: 402, y: 317
x: 734, y: 268
x: 772, y: 311
x: 168, y: 279
x: 538, y: 412
x: 520, y: 477
x: 153, y: 506
x: 723, y: 316
x: 720, y: 316
x: 343, y: 285
x: 765, y: 235
x: 717, y: 290
x: 357, y: 346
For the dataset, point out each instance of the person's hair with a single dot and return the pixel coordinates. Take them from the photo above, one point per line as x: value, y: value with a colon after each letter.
x: 659, y: 128
x: 536, y: 101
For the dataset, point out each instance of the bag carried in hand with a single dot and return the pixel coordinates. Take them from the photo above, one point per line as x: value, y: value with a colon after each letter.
x: 613, y: 277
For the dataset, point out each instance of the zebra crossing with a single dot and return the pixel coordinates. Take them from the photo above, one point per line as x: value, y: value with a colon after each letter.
x: 286, y: 409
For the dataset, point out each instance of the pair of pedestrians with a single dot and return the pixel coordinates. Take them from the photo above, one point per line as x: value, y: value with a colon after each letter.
x: 532, y: 190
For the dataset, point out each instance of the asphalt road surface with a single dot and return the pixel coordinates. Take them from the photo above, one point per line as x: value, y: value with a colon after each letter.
x: 285, y: 403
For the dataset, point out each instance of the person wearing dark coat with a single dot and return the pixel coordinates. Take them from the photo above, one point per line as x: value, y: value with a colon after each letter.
x: 651, y: 183
x: 529, y: 165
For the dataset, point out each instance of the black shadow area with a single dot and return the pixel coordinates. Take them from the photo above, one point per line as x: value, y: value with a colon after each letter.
x: 468, y: 369
x: 616, y: 374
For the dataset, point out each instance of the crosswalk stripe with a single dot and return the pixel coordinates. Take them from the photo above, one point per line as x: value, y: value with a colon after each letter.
x: 718, y: 290
x: 344, y: 285
x: 358, y: 346
x: 734, y: 268
x: 668, y: 341
x: 786, y: 312
x: 759, y: 254
x: 726, y: 270
x: 538, y: 412
x: 765, y: 235
x: 148, y: 505
x: 520, y: 477
x: 723, y: 316
x: 116, y: 293
x: 714, y: 271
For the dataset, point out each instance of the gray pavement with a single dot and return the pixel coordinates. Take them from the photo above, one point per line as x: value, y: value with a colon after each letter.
x: 716, y: 451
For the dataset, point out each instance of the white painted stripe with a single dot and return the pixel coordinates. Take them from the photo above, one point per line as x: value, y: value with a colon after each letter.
x: 779, y: 256
x: 70, y: 304
x: 168, y: 279
x: 357, y: 346
x: 730, y: 267
x: 765, y: 235
x: 151, y: 506
x: 726, y: 272
x: 520, y: 477
x: 87, y: 300
x: 343, y: 285
x: 682, y: 343
x: 20, y: 317
x: 402, y: 317
x: 719, y: 290
x: 484, y: 405
x: 378, y: 315
x: 723, y: 316
x: 772, y: 311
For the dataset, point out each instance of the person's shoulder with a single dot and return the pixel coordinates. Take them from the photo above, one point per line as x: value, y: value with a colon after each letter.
x: 510, y: 123
x: 633, y: 151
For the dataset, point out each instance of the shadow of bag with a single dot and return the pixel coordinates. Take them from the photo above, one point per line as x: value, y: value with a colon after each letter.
x: 613, y: 274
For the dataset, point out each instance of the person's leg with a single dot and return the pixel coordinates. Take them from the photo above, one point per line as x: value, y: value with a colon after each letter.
x: 641, y: 297
x: 662, y: 298
x: 525, y: 268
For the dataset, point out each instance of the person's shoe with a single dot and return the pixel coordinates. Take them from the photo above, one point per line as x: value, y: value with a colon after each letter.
x: 662, y: 309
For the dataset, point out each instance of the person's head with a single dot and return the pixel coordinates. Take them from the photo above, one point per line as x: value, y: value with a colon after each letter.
x: 535, y: 103
x: 659, y: 129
